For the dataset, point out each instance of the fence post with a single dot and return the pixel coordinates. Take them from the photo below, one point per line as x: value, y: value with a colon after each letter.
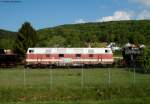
x: 24, y: 77
x: 133, y: 62
x: 51, y: 77
x: 109, y: 77
x: 82, y: 77
x: 134, y: 76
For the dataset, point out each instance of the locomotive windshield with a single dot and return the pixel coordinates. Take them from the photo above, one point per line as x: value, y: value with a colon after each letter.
x: 31, y: 51
x: 106, y: 51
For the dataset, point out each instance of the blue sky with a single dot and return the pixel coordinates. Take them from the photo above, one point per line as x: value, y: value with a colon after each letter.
x: 49, y: 13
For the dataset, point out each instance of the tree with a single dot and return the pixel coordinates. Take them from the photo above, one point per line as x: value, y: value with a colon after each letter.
x: 26, y: 37
x: 146, y: 63
x: 144, y: 60
x: 6, y: 43
x: 56, y: 41
x: 74, y: 40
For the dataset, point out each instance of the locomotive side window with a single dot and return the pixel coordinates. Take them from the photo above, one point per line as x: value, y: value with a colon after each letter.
x: 61, y: 55
x: 90, y: 51
x: 90, y: 55
x: 78, y: 55
x: 48, y: 55
x: 48, y: 51
x: 31, y: 51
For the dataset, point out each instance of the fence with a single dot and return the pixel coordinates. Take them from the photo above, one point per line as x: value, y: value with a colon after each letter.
x: 72, y: 78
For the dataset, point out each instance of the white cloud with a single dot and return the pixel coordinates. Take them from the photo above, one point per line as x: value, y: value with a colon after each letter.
x: 118, y: 15
x: 80, y: 21
x: 121, y: 15
x: 144, y: 2
x: 145, y: 14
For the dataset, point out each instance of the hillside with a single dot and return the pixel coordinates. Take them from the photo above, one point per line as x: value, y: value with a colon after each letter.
x: 77, y: 35
x: 7, y: 39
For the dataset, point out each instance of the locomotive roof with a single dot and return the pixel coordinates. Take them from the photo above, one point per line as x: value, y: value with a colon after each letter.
x: 69, y: 50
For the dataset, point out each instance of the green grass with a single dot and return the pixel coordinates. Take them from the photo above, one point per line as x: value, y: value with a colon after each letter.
x: 45, y: 86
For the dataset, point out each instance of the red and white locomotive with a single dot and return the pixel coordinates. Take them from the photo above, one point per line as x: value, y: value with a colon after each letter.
x: 69, y: 56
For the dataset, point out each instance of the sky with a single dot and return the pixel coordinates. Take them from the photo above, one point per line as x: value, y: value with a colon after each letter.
x: 50, y: 13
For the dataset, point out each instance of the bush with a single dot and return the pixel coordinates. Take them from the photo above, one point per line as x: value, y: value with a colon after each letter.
x: 144, y: 60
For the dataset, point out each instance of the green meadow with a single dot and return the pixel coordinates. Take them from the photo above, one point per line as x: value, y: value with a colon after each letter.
x: 73, y: 86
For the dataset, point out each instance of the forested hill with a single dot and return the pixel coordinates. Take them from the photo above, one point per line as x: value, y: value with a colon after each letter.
x: 5, y: 33
x: 77, y: 35
x: 7, y: 38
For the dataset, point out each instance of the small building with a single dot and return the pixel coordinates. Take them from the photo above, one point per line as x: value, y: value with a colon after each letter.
x: 113, y: 46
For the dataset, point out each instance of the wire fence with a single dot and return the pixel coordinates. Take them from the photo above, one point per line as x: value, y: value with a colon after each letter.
x: 72, y: 78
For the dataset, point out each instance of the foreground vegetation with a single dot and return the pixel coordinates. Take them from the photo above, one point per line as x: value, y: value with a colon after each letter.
x: 73, y: 86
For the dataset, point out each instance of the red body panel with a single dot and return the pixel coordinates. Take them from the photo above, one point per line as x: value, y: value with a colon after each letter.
x: 84, y: 58
x: 56, y: 56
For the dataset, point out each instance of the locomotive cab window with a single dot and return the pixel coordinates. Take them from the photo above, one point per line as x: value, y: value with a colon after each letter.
x: 78, y: 55
x: 61, y: 55
x: 31, y: 51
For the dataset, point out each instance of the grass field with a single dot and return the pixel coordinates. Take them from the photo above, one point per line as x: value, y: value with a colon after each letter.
x: 73, y: 86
